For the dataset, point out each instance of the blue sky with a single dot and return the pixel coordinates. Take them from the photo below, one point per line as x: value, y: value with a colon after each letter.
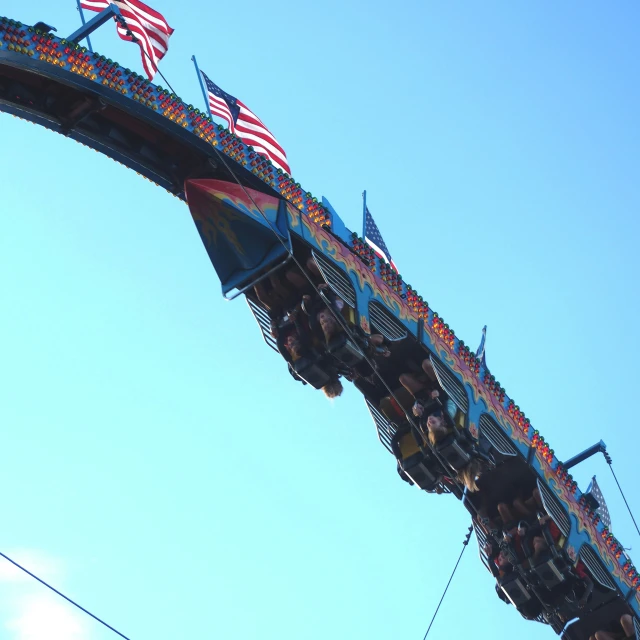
x: 160, y: 464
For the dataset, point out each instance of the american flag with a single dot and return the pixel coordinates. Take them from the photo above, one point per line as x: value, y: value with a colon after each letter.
x: 143, y: 25
x: 245, y: 124
x: 602, y: 510
x: 373, y: 238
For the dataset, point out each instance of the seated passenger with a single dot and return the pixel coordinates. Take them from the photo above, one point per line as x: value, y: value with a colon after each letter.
x: 502, y: 567
x: 312, y: 305
x: 281, y: 291
x: 583, y: 590
x: 617, y: 631
x: 528, y: 507
x: 327, y: 316
x: 294, y: 346
x: 499, y: 561
x: 274, y: 295
x: 532, y: 541
x: 546, y: 520
x: 439, y: 425
x: 425, y: 388
x: 292, y: 338
x: 509, y: 514
x: 491, y: 526
x: 328, y: 322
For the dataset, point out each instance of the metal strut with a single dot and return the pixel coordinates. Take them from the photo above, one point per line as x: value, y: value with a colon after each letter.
x: 601, y: 447
x: 87, y: 29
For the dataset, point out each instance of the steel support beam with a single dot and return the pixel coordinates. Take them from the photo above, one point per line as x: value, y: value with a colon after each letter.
x: 601, y: 447
x: 87, y: 29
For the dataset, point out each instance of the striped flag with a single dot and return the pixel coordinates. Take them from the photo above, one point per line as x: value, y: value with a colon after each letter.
x: 373, y: 238
x: 142, y: 25
x: 602, y: 510
x: 245, y: 124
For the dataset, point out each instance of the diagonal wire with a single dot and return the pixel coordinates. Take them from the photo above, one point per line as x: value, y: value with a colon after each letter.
x: 75, y: 604
x: 464, y: 546
x: 623, y: 496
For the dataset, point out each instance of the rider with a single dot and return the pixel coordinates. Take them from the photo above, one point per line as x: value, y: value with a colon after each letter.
x: 425, y: 388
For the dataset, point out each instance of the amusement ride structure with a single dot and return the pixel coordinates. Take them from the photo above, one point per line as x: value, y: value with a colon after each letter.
x: 558, y: 563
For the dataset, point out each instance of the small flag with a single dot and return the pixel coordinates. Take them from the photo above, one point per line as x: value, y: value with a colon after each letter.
x: 480, y: 353
x: 602, y: 510
x: 245, y: 124
x: 373, y: 238
x: 143, y: 25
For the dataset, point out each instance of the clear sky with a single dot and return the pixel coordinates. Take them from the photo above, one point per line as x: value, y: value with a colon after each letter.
x: 161, y: 466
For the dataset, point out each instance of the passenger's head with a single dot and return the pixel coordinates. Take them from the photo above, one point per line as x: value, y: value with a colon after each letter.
x: 333, y: 389
x: 502, y: 560
x: 470, y: 474
x: 293, y: 345
x: 328, y: 323
x: 436, y: 420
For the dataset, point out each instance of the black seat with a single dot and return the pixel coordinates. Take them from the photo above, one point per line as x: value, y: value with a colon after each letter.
x: 515, y: 588
x: 310, y: 370
x: 419, y: 465
x: 551, y: 572
x: 345, y: 350
x: 454, y: 450
x: 518, y: 593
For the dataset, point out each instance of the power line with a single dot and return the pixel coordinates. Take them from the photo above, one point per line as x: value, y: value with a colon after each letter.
x: 464, y: 546
x: 75, y: 604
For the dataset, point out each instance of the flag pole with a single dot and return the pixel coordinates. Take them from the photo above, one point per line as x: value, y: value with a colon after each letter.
x: 204, y: 92
x: 83, y: 24
x: 364, y: 212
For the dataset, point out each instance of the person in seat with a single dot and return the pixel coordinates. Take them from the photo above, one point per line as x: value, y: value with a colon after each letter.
x: 499, y: 561
x: 328, y: 320
x: 281, y: 290
x: 583, y: 590
x: 545, y: 520
x: 439, y: 425
x: 501, y: 565
x: 623, y: 630
x: 531, y: 541
x: 510, y: 513
x: 527, y: 507
x: 292, y: 335
x: 294, y: 343
x: 326, y: 316
x: 425, y: 388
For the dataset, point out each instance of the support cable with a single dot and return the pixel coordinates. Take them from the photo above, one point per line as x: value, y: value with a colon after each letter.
x: 607, y: 457
x: 464, y: 546
x: 75, y: 604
